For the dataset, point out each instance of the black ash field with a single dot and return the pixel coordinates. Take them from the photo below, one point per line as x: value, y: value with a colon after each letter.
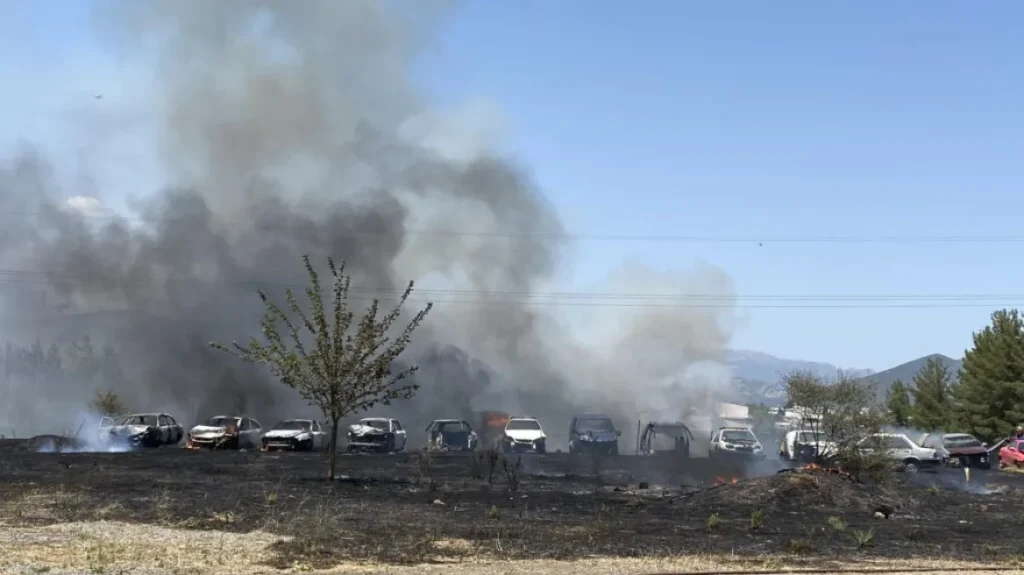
x: 411, y: 508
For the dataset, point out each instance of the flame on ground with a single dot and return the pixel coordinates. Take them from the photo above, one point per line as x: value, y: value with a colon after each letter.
x: 726, y: 480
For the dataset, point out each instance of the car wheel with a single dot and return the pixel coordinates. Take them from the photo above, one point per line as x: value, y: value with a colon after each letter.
x: 910, y: 466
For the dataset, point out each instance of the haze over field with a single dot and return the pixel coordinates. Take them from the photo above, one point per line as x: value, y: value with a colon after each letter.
x: 294, y: 128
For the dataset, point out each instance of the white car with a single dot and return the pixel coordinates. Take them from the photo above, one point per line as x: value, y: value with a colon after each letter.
x: 376, y: 434
x: 226, y: 432
x: 295, y: 435
x: 737, y: 442
x: 899, y: 447
x: 524, y: 434
x: 805, y: 444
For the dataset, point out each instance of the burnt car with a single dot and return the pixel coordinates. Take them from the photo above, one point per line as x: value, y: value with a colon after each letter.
x: 226, y: 432
x: 146, y: 430
x: 376, y: 434
x: 294, y: 435
x: 593, y: 432
x: 666, y: 438
x: 737, y: 443
x: 451, y: 435
x: 964, y: 449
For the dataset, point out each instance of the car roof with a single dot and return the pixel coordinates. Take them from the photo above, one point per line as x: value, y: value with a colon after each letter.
x: 447, y: 421
x: 522, y: 419
x: 291, y: 420
x: 375, y: 419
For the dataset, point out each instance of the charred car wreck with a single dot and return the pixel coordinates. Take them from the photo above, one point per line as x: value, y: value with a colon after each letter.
x: 225, y: 432
x: 147, y: 430
x: 666, y: 438
x: 451, y: 435
x: 376, y: 434
x: 294, y: 435
x: 593, y: 432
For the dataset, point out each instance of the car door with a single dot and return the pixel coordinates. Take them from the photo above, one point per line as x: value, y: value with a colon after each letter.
x: 900, y: 448
x: 163, y: 429
x: 255, y: 432
x: 176, y: 431
x: 396, y: 428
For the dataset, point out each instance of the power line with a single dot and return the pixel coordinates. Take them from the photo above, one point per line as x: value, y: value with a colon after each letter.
x: 722, y: 302
x: 43, y: 278
x: 758, y: 239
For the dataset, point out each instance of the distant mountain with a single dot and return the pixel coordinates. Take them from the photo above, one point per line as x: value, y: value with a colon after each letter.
x: 758, y: 374
x: 905, y: 372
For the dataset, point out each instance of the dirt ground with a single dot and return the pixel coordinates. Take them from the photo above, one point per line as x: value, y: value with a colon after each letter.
x: 181, y: 511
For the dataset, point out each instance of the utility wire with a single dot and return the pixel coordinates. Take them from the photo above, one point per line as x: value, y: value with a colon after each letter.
x: 723, y: 302
x: 884, y: 239
x: 36, y: 277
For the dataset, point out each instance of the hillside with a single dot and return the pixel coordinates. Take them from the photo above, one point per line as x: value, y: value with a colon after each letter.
x: 758, y: 374
x: 906, y: 372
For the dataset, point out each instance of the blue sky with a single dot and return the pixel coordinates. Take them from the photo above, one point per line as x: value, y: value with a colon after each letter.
x: 796, y: 119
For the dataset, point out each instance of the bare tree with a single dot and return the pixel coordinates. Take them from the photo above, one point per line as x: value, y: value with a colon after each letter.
x: 842, y: 416
x: 338, y: 371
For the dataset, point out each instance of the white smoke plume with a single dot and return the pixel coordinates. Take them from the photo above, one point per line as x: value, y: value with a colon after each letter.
x: 287, y: 128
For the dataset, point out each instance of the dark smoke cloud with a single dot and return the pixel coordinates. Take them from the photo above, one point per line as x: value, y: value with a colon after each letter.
x: 292, y: 128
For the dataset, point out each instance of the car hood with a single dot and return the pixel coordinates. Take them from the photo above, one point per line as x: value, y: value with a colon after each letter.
x: 359, y: 430
x: 208, y: 430
x: 129, y: 429
x: 284, y: 433
x: 599, y: 436
x: 525, y: 434
x: 977, y: 450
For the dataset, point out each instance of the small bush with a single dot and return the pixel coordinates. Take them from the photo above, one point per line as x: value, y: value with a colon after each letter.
x: 797, y: 546
x: 837, y: 523
x: 864, y: 539
x: 756, y: 520
x: 713, y: 521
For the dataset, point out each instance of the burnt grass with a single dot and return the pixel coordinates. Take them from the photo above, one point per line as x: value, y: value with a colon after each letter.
x: 413, y: 508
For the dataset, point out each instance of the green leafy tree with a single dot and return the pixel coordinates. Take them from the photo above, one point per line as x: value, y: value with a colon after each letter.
x: 334, y: 364
x: 898, y: 404
x: 108, y: 404
x: 933, y: 406
x: 990, y: 393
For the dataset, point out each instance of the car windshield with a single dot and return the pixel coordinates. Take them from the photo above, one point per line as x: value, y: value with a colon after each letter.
x: 955, y: 441
x: 809, y: 437
x: 594, y: 424
x: 375, y: 423
x: 452, y: 427
x: 294, y: 424
x: 737, y: 435
x: 523, y: 424
x: 670, y: 431
x: 222, y: 422
x: 140, y: 420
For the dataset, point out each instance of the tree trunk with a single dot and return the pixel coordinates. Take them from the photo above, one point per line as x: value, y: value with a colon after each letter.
x: 334, y: 449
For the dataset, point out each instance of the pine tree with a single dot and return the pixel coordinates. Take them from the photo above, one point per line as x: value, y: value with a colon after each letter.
x: 933, y: 405
x: 898, y: 404
x: 990, y: 395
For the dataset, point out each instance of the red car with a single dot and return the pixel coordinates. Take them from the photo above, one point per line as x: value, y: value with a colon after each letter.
x: 1012, y: 454
x: 964, y: 449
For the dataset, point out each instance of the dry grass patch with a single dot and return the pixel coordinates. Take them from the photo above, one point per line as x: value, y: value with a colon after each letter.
x: 113, y: 547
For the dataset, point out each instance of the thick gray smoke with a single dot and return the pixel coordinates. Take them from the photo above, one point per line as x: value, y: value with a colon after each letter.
x: 290, y: 128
